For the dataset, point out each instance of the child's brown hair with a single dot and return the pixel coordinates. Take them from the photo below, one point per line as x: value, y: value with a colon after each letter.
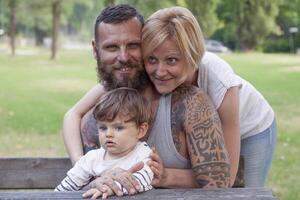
x: 125, y: 102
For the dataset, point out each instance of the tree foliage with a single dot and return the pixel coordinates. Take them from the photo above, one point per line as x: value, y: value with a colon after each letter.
x: 205, y: 12
x: 255, y: 20
x: 243, y: 24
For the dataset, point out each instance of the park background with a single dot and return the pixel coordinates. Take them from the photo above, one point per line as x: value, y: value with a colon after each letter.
x: 46, y: 65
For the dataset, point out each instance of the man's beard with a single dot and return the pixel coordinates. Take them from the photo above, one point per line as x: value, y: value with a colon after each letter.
x: 105, y: 74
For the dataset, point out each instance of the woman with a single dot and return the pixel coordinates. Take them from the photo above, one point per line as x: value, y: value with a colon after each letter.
x: 174, y: 54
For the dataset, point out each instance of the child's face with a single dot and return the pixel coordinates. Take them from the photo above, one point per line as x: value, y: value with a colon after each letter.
x: 119, y: 137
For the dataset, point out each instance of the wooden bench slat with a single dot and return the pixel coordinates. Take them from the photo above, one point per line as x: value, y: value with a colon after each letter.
x: 187, y: 194
x: 47, y: 173
x: 32, y: 173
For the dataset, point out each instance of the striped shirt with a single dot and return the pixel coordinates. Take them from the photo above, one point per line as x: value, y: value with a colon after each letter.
x: 93, y: 164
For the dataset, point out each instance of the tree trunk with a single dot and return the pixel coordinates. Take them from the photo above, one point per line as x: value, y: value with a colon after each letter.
x: 56, y: 11
x: 12, y: 25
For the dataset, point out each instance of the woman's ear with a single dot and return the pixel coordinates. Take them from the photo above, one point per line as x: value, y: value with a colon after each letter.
x: 143, y: 128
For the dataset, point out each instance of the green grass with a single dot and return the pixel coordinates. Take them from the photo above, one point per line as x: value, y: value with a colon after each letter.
x: 36, y: 92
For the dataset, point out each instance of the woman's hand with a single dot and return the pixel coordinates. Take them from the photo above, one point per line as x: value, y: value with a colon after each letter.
x: 158, y: 169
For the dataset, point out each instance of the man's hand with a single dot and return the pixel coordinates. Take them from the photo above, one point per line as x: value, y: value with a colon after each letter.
x: 157, y: 168
x: 124, y: 177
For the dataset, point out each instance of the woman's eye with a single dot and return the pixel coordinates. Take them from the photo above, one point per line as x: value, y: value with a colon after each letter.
x: 151, y: 60
x: 171, y: 61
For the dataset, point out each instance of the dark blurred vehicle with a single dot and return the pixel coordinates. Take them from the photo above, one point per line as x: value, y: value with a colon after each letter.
x: 216, y: 47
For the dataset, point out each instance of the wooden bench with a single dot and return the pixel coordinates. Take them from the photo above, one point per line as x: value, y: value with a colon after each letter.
x: 45, y: 173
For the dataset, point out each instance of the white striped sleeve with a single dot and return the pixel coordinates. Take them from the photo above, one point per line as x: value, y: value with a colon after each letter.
x: 144, y: 177
x: 68, y: 185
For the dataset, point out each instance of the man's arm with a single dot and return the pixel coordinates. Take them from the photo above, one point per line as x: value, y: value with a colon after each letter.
x: 72, y: 120
x: 197, y: 134
x: 204, y: 138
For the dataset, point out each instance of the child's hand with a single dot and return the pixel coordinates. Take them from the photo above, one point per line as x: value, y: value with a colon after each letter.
x: 106, y: 191
x: 94, y: 193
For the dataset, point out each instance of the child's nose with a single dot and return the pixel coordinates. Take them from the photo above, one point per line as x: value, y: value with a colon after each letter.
x: 109, y: 133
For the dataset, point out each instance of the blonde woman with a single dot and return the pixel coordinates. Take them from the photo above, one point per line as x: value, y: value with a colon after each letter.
x: 174, y: 54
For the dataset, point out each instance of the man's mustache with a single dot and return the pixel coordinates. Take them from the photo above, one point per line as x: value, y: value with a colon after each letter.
x: 128, y: 64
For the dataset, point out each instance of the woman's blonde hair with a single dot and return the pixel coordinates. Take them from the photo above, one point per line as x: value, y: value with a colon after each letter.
x: 179, y: 23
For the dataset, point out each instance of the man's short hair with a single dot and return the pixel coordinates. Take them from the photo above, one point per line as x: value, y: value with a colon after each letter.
x: 117, y: 14
x: 123, y: 102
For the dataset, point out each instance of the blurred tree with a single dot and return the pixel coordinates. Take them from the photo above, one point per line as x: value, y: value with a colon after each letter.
x: 56, y: 12
x: 255, y: 20
x: 227, y: 25
x: 289, y: 16
x: 205, y: 12
x: 148, y: 7
x: 38, y: 22
x: 12, y: 26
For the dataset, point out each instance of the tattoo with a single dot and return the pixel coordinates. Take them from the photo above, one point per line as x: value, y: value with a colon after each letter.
x: 89, y: 133
x: 177, y: 116
x: 204, y: 137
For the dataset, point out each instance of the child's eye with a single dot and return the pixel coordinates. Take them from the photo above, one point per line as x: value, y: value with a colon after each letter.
x: 102, y: 128
x: 119, y: 128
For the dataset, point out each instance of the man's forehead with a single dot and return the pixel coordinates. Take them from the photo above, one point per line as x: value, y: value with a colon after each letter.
x: 130, y: 24
x: 129, y: 30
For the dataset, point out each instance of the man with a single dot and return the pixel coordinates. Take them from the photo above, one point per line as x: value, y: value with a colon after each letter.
x: 196, y: 128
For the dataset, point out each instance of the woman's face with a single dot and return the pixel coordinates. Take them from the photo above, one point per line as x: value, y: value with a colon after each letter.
x: 165, y: 67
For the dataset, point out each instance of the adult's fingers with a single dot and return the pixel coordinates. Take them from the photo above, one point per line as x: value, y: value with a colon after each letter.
x: 107, y: 180
x: 127, y: 182
x: 138, y: 166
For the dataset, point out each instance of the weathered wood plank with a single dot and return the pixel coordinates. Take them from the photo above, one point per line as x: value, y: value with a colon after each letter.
x: 188, y: 194
x: 44, y: 173
x: 21, y: 173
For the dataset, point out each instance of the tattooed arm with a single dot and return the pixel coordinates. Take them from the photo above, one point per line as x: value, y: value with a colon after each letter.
x: 204, y: 138
x: 197, y: 135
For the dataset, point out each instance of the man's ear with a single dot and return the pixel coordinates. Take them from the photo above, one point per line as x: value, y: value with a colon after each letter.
x: 143, y: 128
x: 94, y: 49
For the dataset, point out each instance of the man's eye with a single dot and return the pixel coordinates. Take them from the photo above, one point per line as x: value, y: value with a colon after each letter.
x: 171, y: 61
x: 134, y: 46
x: 111, y: 48
x: 151, y: 60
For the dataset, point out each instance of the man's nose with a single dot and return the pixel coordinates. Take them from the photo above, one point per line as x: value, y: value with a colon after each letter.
x: 123, y: 55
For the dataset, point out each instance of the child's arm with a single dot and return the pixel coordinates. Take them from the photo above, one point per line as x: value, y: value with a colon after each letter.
x: 144, y: 178
x: 78, y: 176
